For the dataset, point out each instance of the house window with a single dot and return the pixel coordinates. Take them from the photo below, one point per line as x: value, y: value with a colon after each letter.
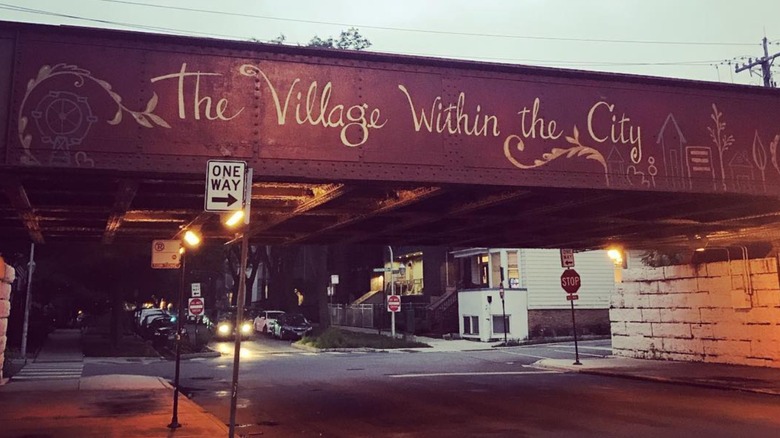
x: 513, y: 270
x: 483, y: 270
x: 498, y: 324
x: 470, y: 325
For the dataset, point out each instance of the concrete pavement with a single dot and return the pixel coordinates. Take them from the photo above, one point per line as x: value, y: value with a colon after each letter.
x: 54, y: 400
x: 141, y: 406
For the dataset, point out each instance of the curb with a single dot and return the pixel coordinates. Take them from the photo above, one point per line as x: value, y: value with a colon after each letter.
x: 657, y: 379
x: 672, y: 380
x: 171, y: 355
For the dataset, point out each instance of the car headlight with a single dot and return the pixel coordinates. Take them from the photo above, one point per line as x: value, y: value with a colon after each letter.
x: 246, y: 328
x: 224, y: 329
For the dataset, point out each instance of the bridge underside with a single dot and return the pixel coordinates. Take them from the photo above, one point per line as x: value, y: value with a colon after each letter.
x: 54, y: 206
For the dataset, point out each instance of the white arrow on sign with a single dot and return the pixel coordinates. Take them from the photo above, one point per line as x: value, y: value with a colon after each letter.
x: 225, y: 181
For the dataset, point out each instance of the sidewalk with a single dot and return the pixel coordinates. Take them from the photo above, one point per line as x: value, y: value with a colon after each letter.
x: 101, y: 406
x: 708, y: 375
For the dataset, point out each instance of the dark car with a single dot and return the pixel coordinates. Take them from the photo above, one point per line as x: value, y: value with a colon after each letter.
x: 225, y: 327
x: 291, y: 326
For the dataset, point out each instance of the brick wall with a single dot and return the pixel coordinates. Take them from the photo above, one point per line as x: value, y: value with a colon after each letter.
x: 557, y: 322
x: 6, y: 277
x: 706, y: 313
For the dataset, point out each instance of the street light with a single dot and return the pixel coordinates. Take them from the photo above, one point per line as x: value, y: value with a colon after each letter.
x: 192, y: 240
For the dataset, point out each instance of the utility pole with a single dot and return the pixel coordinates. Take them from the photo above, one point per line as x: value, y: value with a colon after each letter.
x: 766, y: 65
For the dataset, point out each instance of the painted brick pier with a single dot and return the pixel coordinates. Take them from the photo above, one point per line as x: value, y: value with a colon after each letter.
x: 725, y: 312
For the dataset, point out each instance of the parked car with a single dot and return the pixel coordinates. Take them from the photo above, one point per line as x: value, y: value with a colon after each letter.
x: 226, y: 325
x: 140, y: 314
x: 291, y: 326
x: 265, y: 320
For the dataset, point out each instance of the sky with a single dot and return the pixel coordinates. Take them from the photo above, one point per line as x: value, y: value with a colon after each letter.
x: 690, y: 39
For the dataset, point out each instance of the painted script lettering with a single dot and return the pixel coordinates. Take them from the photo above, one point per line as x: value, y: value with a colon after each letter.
x: 532, y: 124
x: 199, y: 104
x: 452, y: 118
x: 315, y: 109
x: 620, y: 131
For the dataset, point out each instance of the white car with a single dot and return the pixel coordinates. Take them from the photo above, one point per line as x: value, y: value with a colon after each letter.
x: 265, y: 320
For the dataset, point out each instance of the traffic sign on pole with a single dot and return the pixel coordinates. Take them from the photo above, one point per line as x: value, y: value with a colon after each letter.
x: 570, y: 281
x: 394, y: 303
x: 225, y: 180
x: 165, y: 254
x: 567, y: 258
x: 195, y: 306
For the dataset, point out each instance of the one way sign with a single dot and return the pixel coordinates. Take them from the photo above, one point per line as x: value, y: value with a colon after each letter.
x: 225, y: 185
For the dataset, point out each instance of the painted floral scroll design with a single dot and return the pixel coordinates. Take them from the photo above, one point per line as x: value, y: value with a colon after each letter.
x: 145, y: 118
x: 577, y: 150
x: 720, y: 139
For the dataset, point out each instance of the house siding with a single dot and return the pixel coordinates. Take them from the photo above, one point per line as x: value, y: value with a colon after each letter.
x: 542, y: 276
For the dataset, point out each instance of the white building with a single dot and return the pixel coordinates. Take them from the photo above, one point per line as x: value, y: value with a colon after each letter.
x: 534, y: 303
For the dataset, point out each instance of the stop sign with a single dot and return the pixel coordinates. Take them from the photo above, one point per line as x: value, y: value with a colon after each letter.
x: 570, y: 281
x: 393, y: 303
x: 196, y: 306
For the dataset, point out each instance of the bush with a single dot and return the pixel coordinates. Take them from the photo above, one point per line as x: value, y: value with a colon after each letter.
x: 336, y: 338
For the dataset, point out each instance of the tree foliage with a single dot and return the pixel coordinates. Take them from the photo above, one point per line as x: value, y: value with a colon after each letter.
x: 349, y: 39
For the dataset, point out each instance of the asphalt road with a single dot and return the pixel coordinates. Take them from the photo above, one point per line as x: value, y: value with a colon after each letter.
x: 285, y: 392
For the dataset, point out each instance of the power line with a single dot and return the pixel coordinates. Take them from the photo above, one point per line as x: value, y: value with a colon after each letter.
x: 436, y: 32
x: 765, y: 62
x: 542, y: 62
x: 182, y: 32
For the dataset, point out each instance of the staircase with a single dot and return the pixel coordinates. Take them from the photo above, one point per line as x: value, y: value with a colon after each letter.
x: 443, y: 313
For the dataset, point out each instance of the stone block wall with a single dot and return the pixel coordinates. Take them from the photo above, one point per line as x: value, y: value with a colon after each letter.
x: 7, y: 275
x: 725, y: 312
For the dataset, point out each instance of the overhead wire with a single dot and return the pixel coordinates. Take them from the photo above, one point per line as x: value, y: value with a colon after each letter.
x: 495, y: 59
x: 428, y: 31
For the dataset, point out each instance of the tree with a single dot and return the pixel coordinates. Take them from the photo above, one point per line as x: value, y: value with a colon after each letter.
x: 350, y: 39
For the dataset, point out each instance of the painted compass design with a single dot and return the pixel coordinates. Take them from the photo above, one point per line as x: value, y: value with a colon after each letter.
x: 63, y: 120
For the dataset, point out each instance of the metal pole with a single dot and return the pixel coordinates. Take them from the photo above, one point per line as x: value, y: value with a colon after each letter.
x: 392, y: 292
x: 574, y: 327
x: 28, y: 300
x: 503, y: 312
x: 175, y: 417
x: 239, y: 320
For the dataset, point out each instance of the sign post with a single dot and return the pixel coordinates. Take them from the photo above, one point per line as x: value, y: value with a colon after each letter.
x: 179, y: 324
x: 246, y: 194
x: 571, y: 282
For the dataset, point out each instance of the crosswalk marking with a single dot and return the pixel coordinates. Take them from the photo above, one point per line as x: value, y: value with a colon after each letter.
x: 50, y: 371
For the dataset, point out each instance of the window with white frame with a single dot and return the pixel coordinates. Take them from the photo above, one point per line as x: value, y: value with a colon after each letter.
x: 470, y: 325
x: 498, y: 324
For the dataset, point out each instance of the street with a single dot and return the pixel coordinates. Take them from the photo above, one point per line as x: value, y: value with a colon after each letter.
x: 287, y: 392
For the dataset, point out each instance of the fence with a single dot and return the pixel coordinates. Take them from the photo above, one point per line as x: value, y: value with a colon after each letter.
x: 412, y: 316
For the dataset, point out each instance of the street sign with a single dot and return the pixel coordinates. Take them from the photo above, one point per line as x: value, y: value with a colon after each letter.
x: 331, y: 291
x: 567, y: 258
x: 225, y: 181
x: 572, y: 297
x: 570, y: 281
x: 383, y: 269
x: 334, y: 279
x: 196, y: 306
x: 501, y: 292
x: 394, y: 303
x: 195, y: 289
x: 165, y: 254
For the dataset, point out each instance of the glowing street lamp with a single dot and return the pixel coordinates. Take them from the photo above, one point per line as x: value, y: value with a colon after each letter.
x: 192, y: 240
